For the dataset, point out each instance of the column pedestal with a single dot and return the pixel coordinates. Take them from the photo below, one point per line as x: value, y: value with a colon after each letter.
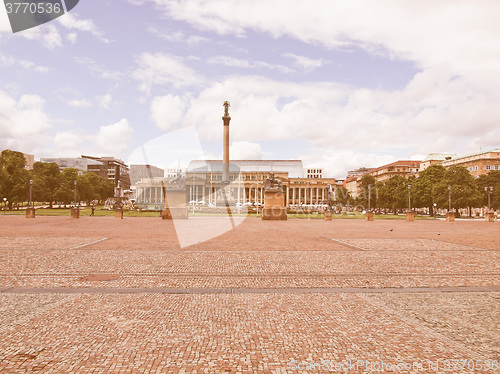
x: 274, y: 205
x: 450, y: 216
x: 30, y: 213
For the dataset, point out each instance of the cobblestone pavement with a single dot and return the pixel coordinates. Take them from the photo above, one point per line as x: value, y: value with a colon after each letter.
x: 267, y: 297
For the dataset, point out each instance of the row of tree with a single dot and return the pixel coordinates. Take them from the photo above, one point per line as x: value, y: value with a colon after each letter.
x: 431, y: 187
x: 49, y: 184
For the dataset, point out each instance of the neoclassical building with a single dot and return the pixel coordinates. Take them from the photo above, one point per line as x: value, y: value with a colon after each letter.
x: 203, y: 180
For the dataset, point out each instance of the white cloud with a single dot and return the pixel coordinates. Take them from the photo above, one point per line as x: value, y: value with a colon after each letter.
x: 10, y: 61
x: 104, y: 101
x: 98, y: 69
x: 167, y: 111
x: 72, y: 36
x: 176, y: 36
x: 48, y: 34
x: 114, y: 138
x: 163, y: 69
x: 73, y: 22
x: 463, y: 34
x: 307, y: 64
x: 68, y: 143
x: 244, y: 150
x: 79, y: 103
x: 241, y: 63
x: 24, y: 125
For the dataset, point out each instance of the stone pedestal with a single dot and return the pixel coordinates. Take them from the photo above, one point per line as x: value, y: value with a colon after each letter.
x: 176, y: 207
x: 119, y: 213
x: 274, y: 205
x: 328, y: 215
x: 30, y: 213
x: 410, y: 216
x: 489, y: 217
x: 450, y: 216
x: 75, y: 213
x: 369, y: 216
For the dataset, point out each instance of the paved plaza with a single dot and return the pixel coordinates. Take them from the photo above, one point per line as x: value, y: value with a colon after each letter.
x: 104, y: 295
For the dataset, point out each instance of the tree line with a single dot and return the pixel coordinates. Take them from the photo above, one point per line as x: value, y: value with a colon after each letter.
x: 431, y: 187
x: 49, y: 184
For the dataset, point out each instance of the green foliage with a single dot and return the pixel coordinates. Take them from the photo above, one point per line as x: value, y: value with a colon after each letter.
x: 422, y: 192
x: 464, y: 192
x: 368, y: 192
x: 342, y: 196
x: 14, y: 178
x: 47, y: 180
x: 492, y: 179
x: 393, y: 194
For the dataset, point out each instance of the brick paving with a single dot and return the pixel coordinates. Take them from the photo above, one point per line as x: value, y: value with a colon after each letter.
x: 103, y: 295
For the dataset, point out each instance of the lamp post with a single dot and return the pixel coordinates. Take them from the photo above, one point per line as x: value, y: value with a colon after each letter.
x: 369, y: 197
x: 435, y: 212
x: 409, y: 197
x: 31, y: 184
x: 489, y: 191
x: 74, y: 182
x: 449, y: 198
x: 4, y: 204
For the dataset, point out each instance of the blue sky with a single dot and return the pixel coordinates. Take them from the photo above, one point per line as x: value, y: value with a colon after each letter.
x: 337, y: 84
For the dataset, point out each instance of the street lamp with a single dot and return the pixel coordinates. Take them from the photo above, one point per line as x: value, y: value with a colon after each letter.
x: 75, y: 190
x: 5, y: 204
x: 489, y: 191
x: 409, y: 197
x: 435, y: 210
x: 31, y: 184
x: 449, y: 198
x: 369, y: 197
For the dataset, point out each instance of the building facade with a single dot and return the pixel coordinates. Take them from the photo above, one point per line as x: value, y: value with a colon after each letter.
x: 477, y: 164
x: 138, y: 172
x: 404, y: 168
x: 204, y: 184
x: 111, y: 168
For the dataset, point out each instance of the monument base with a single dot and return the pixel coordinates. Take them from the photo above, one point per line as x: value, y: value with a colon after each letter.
x: 274, y: 214
x: 489, y: 217
x: 30, y: 213
x: 119, y: 213
x: 174, y: 213
x: 450, y: 216
x: 328, y: 215
x: 410, y: 216
x: 274, y: 205
x: 75, y: 213
x: 369, y: 216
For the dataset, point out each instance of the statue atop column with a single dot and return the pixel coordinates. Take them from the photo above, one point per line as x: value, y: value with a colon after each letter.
x: 226, y: 105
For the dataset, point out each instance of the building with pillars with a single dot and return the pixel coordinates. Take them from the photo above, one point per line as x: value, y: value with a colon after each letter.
x: 204, y: 180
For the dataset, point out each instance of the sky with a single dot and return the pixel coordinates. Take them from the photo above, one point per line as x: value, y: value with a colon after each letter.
x: 337, y: 84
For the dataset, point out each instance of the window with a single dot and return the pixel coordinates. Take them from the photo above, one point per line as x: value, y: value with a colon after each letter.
x: 487, y: 167
x: 476, y: 168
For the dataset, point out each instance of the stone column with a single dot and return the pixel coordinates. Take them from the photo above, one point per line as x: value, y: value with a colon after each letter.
x: 225, y: 155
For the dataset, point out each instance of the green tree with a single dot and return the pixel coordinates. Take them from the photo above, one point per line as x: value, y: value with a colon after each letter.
x: 464, y: 191
x: 368, y: 188
x: 14, y: 178
x: 492, y: 179
x: 422, y: 190
x: 47, y: 179
x: 393, y: 194
x: 65, y: 192
x: 342, y: 196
